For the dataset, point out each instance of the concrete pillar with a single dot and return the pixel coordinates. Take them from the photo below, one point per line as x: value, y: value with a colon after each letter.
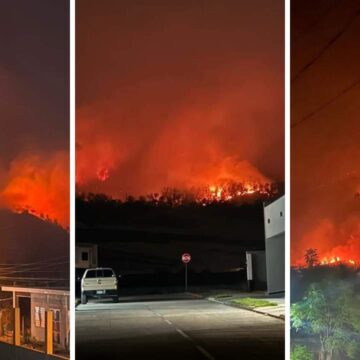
x: 49, y: 347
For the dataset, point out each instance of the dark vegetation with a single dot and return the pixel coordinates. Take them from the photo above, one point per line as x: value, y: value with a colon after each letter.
x: 325, y: 311
x: 143, y: 238
x: 41, y: 250
x: 155, y: 210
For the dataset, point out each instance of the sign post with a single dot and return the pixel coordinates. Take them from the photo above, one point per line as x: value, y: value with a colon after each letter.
x: 186, y: 258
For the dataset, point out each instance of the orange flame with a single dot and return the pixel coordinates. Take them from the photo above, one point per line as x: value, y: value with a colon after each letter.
x: 337, y: 260
x: 336, y: 243
x: 103, y: 174
x: 39, y: 185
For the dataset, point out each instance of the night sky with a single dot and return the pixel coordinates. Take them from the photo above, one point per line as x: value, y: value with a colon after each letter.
x: 325, y: 132
x: 178, y: 93
x: 34, y: 107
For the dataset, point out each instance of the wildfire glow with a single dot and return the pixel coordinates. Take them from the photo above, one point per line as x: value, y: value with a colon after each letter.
x: 336, y: 243
x: 103, y: 174
x: 336, y: 260
x: 39, y: 185
x: 230, y: 190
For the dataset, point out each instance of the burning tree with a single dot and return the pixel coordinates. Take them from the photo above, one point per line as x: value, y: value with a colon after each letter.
x: 330, y: 312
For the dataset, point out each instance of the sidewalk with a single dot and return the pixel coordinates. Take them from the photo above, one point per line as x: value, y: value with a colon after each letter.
x: 227, y: 297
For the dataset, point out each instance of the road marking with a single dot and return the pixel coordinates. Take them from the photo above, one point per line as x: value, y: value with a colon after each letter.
x: 204, y: 352
x: 200, y: 348
x: 186, y: 336
x: 183, y: 334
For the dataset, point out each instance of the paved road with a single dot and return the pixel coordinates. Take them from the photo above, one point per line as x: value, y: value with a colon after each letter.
x: 175, y: 329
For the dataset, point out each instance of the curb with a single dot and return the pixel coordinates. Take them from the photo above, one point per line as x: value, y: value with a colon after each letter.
x: 198, y: 296
x: 280, y: 317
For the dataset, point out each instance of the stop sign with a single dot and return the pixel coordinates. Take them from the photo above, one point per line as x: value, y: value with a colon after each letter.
x: 186, y: 258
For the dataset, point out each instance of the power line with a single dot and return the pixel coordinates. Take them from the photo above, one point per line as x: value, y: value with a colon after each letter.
x: 36, y: 270
x: 8, y: 299
x: 315, y: 22
x: 328, y: 103
x: 40, y: 262
x: 38, y: 265
x: 32, y: 278
x: 329, y: 44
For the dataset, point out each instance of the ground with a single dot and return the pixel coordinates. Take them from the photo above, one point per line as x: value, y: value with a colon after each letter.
x: 175, y: 327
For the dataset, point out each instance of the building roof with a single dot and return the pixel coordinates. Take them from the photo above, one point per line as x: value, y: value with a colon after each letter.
x: 267, y: 203
x: 35, y: 290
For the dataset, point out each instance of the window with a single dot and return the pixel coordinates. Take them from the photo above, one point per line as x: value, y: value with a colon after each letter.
x: 108, y: 273
x: 84, y: 256
x: 39, y: 316
x: 281, y: 213
x: 56, y: 326
x: 268, y: 220
x: 91, y: 274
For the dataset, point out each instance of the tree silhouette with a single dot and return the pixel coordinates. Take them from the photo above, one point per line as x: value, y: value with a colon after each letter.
x: 311, y: 257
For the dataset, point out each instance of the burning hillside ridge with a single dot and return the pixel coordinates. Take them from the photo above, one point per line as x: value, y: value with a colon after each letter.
x: 323, y: 238
x: 229, y: 192
x: 139, y: 139
x: 39, y: 184
x: 224, y: 181
x: 226, y: 191
x: 348, y: 254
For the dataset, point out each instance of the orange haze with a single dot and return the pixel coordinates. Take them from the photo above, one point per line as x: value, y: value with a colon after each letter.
x: 325, y: 145
x: 178, y: 94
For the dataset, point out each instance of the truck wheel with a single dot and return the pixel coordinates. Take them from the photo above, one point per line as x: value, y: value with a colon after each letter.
x: 83, y: 299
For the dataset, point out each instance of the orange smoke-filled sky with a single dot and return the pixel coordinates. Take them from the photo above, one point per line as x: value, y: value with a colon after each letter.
x: 34, y: 106
x: 171, y: 93
x: 325, y: 150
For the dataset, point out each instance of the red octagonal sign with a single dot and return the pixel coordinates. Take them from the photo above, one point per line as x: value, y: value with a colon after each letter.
x: 186, y: 258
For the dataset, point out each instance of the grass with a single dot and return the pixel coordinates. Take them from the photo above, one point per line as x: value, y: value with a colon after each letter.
x: 253, y: 303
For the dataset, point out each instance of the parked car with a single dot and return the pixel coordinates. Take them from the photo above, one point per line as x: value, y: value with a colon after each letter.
x: 99, y: 283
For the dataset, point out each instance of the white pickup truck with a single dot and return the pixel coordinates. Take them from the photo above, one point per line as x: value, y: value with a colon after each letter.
x: 99, y: 283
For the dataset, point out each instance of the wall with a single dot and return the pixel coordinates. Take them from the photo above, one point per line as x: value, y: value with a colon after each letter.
x: 258, y: 269
x: 50, y: 302
x: 275, y: 263
x: 274, y: 215
x: 92, y: 261
x: 274, y: 218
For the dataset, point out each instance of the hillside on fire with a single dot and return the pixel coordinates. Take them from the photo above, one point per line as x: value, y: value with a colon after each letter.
x: 325, y: 178
x: 180, y: 138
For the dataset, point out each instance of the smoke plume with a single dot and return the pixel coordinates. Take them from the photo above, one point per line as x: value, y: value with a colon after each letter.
x: 178, y: 95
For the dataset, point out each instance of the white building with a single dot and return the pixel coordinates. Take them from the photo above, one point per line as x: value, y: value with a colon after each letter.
x: 274, y: 217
